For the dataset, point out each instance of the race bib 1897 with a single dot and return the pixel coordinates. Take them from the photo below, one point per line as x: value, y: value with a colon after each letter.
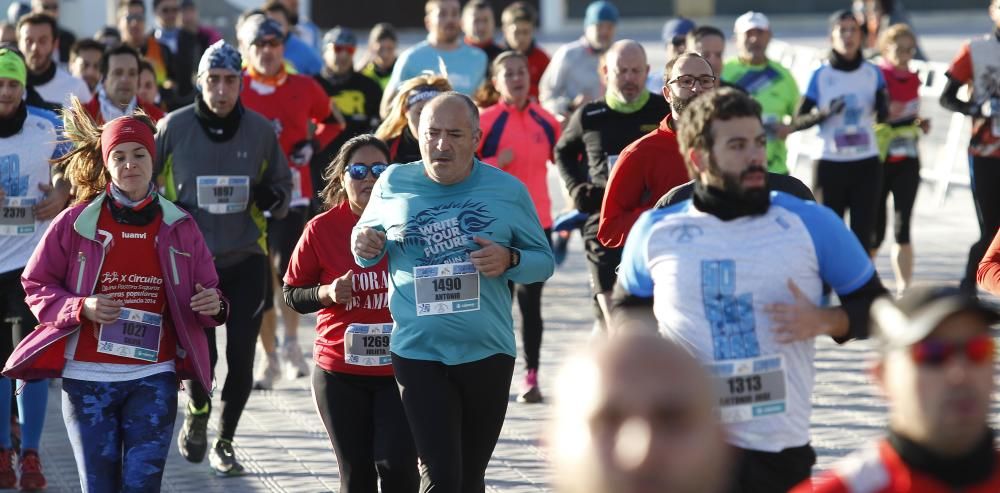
x: 136, y: 334
x: 17, y: 216
x: 446, y: 288
x: 367, y: 344
x: 223, y: 194
x: 749, y: 389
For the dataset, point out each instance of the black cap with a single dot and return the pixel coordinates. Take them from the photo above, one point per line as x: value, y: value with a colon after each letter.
x: 919, y: 311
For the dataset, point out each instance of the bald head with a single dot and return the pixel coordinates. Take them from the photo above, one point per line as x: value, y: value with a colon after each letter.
x: 449, y: 135
x: 637, y: 415
x: 626, y: 69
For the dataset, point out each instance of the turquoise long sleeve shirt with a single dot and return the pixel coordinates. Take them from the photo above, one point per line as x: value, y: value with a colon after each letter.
x: 443, y: 309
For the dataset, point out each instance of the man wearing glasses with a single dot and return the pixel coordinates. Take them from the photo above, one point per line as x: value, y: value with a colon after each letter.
x: 64, y: 37
x: 738, y: 274
x: 589, y: 148
x: 675, y: 43
x: 652, y: 165
x: 935, y: 367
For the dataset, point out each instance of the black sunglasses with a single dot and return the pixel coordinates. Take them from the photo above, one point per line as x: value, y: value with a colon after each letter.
x: 360, y: 171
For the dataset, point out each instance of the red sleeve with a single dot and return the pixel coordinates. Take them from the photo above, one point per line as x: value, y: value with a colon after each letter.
x: 961, y: 66
x: 621, y: 206
x: 304, y: 268
x: 988, y: 275
x: 319, y: 112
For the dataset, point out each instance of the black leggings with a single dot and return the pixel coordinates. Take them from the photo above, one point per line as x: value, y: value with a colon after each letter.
x: 242, y: 285
x: 282, y: 236
x: 365, y: 420
x: 16, y: 320
x: 771, y: 472
x: 985, y: 174
x: 902, y: 179
x: 455, y: 413
x: 854, y: 186
x: 529, y: 301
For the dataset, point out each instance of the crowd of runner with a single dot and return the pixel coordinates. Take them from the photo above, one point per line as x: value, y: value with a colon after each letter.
x: 156, y: 184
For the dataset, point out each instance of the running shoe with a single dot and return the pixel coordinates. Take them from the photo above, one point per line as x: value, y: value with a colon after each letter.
x: 192, y: 442
x: 268, y: 373
x: 223, y: 459
x: 8, y: 479
x: 532, y: 393
x: 294, y: 363
x: 30, y: 465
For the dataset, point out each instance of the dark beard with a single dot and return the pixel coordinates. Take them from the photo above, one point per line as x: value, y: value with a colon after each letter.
x: 733, y: 185
x: 679, y: 104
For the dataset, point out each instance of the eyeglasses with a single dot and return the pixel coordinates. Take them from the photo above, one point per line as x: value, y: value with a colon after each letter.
x: 359, y: 171
x: 50, y: 6
x: 344, y: 49
x: 935, y: 352
x: 272, y: 42
x: 688, y: 81
x: 135, y: 18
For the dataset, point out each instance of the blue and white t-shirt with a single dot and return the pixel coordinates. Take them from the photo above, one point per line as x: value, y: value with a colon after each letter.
x: 466, y: 66
x: 849, y: 135
x: 24, y: 165
x: 710, y: 281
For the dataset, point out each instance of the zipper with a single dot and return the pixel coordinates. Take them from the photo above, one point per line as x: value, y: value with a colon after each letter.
x: 82, y: 259
x: 173, y: 263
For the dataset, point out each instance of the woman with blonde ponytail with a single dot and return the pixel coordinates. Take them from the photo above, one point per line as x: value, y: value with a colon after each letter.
x: 399, y: 129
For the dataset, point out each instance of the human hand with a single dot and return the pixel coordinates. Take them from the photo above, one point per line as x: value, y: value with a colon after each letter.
x: 801, y: 320
x: 342, y: 288
x: 100, y: 308
x: 505, y: 157
x: 205, y: 301
x: 492, y: 259
x: 54, y: 202
x: 369, y: 243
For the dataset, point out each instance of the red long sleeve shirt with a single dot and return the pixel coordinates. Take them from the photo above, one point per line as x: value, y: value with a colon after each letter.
x: 645, y: 170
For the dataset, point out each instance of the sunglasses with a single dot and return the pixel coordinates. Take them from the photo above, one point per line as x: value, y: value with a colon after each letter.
x: 273, y: 43
x: 936, y: 353
x: 50, y: 6
x: 344, y: 49
x: 135, y: 18
x: 679, y: 41
x: 359, y: 171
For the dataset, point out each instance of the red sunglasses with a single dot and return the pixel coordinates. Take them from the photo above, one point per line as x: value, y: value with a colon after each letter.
x: 344, y: 49
x: 935, y: 352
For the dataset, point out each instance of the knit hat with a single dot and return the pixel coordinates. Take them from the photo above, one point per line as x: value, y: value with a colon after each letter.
x: 126, y: 129
x: 601, y: 11
x: 220, y: 55
x: 12, y: 66
x: 258, y: 26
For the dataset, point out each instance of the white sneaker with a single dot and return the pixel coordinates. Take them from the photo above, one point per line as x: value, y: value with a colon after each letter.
x: 294, y: 363
x: 268, y: 372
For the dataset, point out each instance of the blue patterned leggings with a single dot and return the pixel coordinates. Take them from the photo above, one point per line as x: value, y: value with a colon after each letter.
x: 120, y: 431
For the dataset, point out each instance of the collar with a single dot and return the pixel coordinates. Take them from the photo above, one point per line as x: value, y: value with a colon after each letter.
x: 971, y: 468
x: 621, y: 106
x: 11, y: 126
x: 86, y: 223
x: 510, y: 107
x: 218, y: 129
x: 260, y: 81
x: 667, y: 124
x: 590, y: 49
x: 110, y: 110
x: 43, y: 78
x: 134, y: 212
x: 727, y: 206
x: 335, y: 79
x: 838, y: 62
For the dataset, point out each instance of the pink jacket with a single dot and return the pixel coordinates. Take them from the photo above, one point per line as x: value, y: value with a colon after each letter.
x: 64, y: 269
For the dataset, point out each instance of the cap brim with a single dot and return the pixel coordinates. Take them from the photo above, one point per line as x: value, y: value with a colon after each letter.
x: 896, y: 330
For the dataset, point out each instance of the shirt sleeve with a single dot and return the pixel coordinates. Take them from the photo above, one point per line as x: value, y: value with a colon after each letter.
x: 550, y: 87
x: 621, y: 207
x: 537, y: 262
x: 304, y: 267
x: 370, y: 218
x: 960, y: 68
x: 633, y: 272
x: 812, y: 88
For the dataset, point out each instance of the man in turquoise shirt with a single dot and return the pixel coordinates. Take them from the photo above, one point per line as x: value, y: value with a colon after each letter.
x: 456, y: 231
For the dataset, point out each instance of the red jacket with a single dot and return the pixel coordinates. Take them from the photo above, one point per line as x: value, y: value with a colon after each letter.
x: 879, y: 469
x: 94, y: 110
x: 538, y: 61
x: 645, y: 170
x: 989, y: 268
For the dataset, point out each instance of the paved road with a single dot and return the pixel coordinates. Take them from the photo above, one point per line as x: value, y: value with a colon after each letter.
x: 284, y: 446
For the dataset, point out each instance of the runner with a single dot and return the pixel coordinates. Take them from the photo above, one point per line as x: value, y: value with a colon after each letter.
x: 224, y: 164
x: 518, y: 27
x: 737, y: 274
x: 675, y: 42
x: 85, y: 61
x: 590, y: 145
x: 848, y: 94
x: 710, y: 43
x: 977, y: 60
x: 770, y: 83
x: 31, y: 193
x: 898, y: 148
x: 175, y: 90
x: 617, y: 396
x: 183, y: 45
x: 652, y: 165
x: 304, y: 58
x: 935, y: 367
x: 117, y: 93
x: 572, y: 79
x: 479, y: 25
x: 355, y: 393
x: 399, y: 129
x: 442, y: 51
x: 381, y: 56
x: 291, y: 102
x: 356, y: 97
x: 518, y: 137
x: 36, y: 38
x: 117, y: 334
x: 456, y: 231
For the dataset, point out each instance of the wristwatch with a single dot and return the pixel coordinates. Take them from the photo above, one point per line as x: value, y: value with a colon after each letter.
x: 515, y: 257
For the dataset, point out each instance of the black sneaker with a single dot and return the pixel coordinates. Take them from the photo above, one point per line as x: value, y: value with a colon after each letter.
x: 223, y: 459
x: 193, y: 440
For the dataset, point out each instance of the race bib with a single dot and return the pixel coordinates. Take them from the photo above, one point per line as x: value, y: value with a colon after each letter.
x: 296, y: 184
x: 851, y: 140
x: 17, y: 216
x: 749, y: 389
x: 367, y: 344
x: 902, y: 147
x: 223, y: 194
x: 446, y: 288
x: 136, y: 334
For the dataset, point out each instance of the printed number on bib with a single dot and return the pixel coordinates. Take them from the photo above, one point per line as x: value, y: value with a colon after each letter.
x: 136, y: 334
x: 903, y: 147
x: 750, y: 389
x: 17, y: 216
x: 223, y: 194
x: 367, y: 344
x: 446, y: 288
x: 851, y: 140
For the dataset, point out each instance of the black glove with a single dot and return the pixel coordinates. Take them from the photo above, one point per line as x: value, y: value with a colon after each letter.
x: 302, y: 152
x: 266, y: 197
x: 587, y: 197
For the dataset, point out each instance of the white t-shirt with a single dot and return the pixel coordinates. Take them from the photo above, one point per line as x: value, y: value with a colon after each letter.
x: 61, y: 87
x: 850, y: 134
x: 710, y: 281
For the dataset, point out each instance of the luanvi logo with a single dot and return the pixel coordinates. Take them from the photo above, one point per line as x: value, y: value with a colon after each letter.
x: 133, y: 236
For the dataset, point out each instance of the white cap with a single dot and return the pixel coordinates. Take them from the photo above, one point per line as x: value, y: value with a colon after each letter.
x: 751, y: 20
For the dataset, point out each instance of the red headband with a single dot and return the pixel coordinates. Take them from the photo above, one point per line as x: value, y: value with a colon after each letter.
x: 126, y: 129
